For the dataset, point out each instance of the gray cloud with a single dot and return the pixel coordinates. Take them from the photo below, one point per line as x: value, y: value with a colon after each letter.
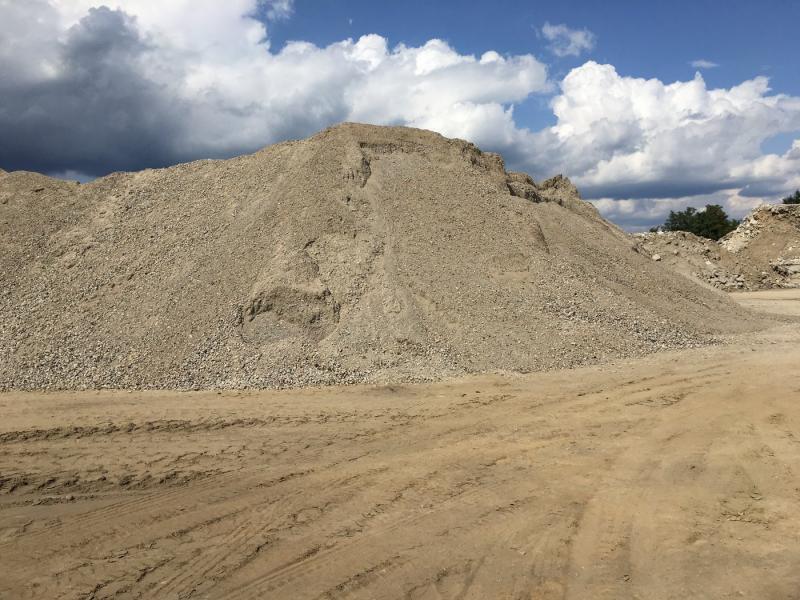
x: 658, y: 189
x: 118, y: 92
x: 98, y: 114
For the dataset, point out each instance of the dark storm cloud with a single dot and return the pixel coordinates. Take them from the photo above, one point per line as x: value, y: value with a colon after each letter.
x: 99, y: 114
x: 767, y: 187
x: 638, y: 222
x: 667, y: 188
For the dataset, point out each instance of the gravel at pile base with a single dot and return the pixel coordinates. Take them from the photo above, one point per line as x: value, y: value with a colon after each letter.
x: 363, y: 254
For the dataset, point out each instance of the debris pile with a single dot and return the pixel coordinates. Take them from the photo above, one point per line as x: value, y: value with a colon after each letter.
x: 762, y: 253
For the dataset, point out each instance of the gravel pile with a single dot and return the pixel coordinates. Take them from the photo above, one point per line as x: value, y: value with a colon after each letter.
x: 702, y: 259
x: 363, y: 254
x: 769, y: 237
x: 762, y: 253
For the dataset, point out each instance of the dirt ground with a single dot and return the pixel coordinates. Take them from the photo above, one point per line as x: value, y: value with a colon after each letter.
x: 673, y: 476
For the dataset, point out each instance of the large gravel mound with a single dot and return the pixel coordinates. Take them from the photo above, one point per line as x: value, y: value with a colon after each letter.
x: 361, y: 254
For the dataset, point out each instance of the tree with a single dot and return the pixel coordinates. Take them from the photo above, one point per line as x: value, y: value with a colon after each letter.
x: 793, y: 199
x: 711, y: 222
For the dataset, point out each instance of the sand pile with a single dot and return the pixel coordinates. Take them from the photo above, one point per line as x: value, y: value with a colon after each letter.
x: 361, y: 254
x: 762, y: 253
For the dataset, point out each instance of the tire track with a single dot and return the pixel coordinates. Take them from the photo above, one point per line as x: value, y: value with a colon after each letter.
x: 394, y: 531
x: 147, y: 505
x: 258, y: 523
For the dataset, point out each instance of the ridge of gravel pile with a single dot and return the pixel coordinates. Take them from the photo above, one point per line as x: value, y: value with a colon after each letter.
x: 362, y: 254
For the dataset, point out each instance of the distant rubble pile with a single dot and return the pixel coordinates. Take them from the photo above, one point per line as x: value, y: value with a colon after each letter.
x: 762, y: 253
x: 696, y: 257
x: 770, y: 235
x: 763, y: 221
x: 363, y: 254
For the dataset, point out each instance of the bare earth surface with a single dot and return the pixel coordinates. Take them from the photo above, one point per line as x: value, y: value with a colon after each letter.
x: 672, y: 476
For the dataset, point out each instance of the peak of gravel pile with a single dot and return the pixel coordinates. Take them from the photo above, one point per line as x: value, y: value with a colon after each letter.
x: 361, y: 254
x: 762, y: 253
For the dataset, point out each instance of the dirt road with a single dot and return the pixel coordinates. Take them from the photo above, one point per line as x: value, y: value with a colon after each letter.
x: 675, y: 476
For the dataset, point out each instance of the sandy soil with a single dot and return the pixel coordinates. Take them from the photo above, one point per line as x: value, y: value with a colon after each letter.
x: 673, y: 476
x: 780, y: 302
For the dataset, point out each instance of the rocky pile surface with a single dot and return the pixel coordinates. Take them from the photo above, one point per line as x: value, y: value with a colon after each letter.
x: 769, y: 239
x: 361, y: 254
x: 703, y: 260
x: 762, y: 253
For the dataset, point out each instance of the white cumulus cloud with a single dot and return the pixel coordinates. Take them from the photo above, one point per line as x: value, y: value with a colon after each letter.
x: 567, y: 42
x: 631, y: 138
x: 629, y: 132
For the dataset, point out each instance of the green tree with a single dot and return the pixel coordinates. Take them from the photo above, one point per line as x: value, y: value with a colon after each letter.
x: 793, y: 199
x: 711, y: 222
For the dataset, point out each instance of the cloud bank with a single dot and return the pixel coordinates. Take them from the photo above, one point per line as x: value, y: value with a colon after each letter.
x: 91, y: 89
x: 95, y: 89
x: 641, y: 140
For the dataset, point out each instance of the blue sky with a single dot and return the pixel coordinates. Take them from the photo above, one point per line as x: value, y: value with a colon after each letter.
x: 605, y: 93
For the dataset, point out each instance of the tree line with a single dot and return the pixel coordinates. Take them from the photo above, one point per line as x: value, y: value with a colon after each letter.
x: 712, y: 222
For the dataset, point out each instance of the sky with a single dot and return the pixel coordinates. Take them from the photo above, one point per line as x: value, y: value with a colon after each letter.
x: 648, y: 107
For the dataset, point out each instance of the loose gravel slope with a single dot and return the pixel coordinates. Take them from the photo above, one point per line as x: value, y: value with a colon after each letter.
x: 361, y: 254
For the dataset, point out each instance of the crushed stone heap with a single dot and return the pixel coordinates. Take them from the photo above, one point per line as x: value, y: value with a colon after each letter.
x: 762, y: 253
x: 769, y: 239
x: 361, y: 254
x: 704, y: 260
